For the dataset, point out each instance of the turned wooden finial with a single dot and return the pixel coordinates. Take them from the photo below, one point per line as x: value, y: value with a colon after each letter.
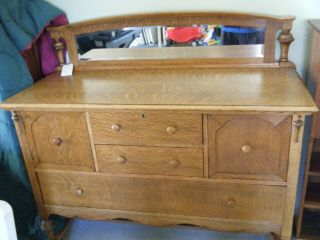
x: 59, y: 48
x: 285, y: 38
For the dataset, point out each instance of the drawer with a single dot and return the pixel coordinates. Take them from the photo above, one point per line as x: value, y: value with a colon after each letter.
x: 147, y: 128
x: 316, y: 116
x: 150, y: 160
x: 58, y: 140
x: 249, y: 146
x: 167, y: 196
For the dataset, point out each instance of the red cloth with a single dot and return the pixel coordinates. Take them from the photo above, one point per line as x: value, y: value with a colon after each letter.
x: 184, y: 34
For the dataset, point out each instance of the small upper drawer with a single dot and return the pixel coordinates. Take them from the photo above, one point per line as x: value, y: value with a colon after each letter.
x: 58, y: 140
x: 150, y: 160
x: 147, y: 128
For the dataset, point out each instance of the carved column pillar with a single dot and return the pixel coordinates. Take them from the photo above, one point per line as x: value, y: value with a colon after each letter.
x: 285, y: 38
x: 59, y: 48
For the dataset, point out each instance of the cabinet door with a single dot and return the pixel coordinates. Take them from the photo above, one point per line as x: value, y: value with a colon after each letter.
x: 58, y: 140
x: 249, y: 146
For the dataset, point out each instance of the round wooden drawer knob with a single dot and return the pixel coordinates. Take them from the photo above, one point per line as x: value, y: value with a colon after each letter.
x: 121, y: 160
x: 79, y: 192
x: 231, y: 203
x: 246, y: 149
x: 174, y: 163
x: 171, y: 130
x: 116, y: 127
x: 56, y: 141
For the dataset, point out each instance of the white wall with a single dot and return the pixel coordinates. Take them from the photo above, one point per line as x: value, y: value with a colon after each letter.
x: 77, y: 10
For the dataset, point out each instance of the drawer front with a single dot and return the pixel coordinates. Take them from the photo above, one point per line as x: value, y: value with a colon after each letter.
x: 151, y: 129
x: 316, y: 116
x: 150, y: 160
x: 58, y: 140
x: 182, y: 197
x: 249, y: 146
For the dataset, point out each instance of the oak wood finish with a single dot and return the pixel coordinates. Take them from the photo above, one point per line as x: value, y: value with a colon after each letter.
x: 292, y: 180
x: 271, y: 23
x: 47, y: 225
x: 249, y: 147
x: 159, y: 219
x: 28, y: 159
x: 150, y: 160
x: 180, y: 178
x: 285, y: 38
x: 206, y: 140
x: 59, y: 48
x: 93, y: 148
x: 271, y: 90
x: 314, y: 72
x: 58, y: 139
x: 191, y: 198
x: 205, y: 146
x: 33, y: 59
x: 312, y: 163
x: 171, y: 129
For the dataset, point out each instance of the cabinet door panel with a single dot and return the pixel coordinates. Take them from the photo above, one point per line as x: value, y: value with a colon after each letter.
x: 249, y: 146
x: 58, y: 140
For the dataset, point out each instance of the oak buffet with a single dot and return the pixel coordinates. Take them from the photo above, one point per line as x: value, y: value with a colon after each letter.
x: 212, y: 141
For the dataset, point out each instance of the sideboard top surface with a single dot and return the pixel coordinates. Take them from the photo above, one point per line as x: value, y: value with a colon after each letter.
x: 234, y: 89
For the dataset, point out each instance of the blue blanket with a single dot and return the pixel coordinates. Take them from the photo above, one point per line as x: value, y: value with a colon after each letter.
x: 21, y: 22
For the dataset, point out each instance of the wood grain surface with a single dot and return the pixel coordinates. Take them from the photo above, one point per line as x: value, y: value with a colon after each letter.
x: 314, y: 76
x: 29, y: 163
x: 174, y: 18
x: 193, y: 198
x: 214, y: 142
x: 292, y: 180
x: 150, y: 160
x: 229, y: 89
x: 249, y: 146
x: 271, y: 24
x: 158, y: 219
x: 147, y: 128
x: 74, y: 151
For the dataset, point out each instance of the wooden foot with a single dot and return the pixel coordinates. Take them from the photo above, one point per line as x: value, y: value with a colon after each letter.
x: 60, y: 235
x: 275, y: 236
x: 47, y: 226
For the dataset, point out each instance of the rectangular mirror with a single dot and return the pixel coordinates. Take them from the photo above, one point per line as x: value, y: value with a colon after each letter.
x: 159, y: 42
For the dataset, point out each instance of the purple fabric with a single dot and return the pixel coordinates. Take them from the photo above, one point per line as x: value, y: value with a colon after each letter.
x: 49, y: 59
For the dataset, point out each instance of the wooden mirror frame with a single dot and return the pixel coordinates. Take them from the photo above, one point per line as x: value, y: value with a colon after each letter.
x: 65, y: 37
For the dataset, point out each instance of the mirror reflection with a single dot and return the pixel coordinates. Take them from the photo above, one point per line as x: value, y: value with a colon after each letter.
x: 204, y: 35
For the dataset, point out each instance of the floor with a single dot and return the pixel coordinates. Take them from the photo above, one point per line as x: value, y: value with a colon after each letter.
x: 103, y: 230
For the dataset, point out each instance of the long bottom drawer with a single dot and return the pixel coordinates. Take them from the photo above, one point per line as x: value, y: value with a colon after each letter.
x: 181, y: 197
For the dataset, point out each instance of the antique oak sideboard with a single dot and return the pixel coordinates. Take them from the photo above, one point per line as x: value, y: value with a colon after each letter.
x: 206, y: 136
